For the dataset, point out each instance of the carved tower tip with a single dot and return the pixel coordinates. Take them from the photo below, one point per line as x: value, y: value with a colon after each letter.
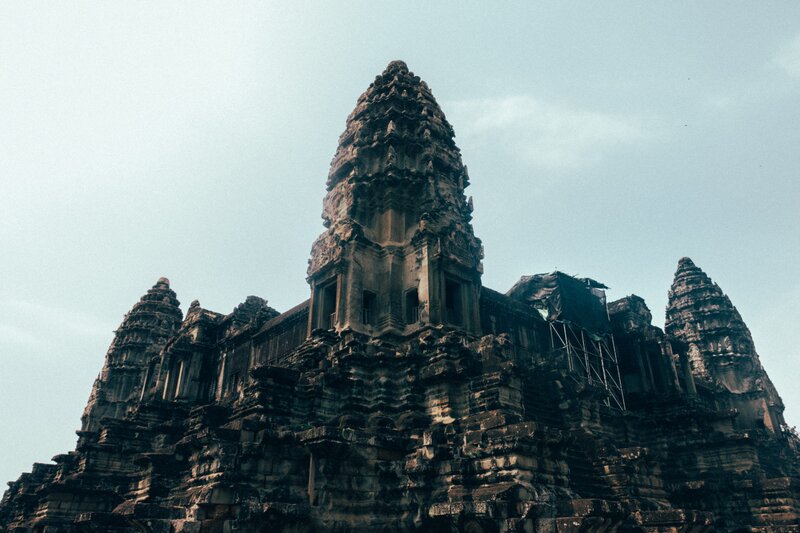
x: 152, y: 320
x: 721, y: 349
x: 396, y: 66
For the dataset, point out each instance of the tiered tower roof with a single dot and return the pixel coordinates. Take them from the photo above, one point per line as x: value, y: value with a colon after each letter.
x: 143, y: 332
x: 398, y: 109
x: 397, y: 151
x: 721, y: 348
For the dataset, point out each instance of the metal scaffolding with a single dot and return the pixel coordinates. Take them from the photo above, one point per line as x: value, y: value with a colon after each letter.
x: 591, y: 357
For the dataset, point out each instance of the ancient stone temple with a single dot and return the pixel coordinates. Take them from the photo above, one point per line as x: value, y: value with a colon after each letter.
x: 403, y: 395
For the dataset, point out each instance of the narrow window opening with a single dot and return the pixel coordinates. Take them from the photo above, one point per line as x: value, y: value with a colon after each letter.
x: 412, y: 306
x: 165, y: 392
x: 312, y: 480
x: 179, y: 380
x: 234, y: 384
x: 147, y: 378
x: 368, y: 308
x: 223, y: 371
x: 328, y: 318
x: 452, y: 302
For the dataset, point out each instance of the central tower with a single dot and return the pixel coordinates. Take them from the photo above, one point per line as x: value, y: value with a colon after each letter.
x: 399, y: 251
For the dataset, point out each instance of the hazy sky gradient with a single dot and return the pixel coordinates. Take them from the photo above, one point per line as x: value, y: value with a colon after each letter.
x: 192, y: 141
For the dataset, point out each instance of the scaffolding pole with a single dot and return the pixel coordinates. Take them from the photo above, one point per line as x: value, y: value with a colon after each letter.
x: 594, y: 361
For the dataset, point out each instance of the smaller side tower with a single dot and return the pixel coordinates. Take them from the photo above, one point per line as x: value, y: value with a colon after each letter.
x: 720, y: 348
x: 399, y: 251
x: 143, y: 332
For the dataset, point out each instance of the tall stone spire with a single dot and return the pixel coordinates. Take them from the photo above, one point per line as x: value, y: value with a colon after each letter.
x: 395, y: 203
x: 721, y: 349
x: 140, y: 337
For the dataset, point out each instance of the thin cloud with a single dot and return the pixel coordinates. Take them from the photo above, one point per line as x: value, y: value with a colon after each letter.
x: 27, y: 317
x: 15, y: 336
x: 757, y: 89
x: 788, y: 58
x: 543, y: 134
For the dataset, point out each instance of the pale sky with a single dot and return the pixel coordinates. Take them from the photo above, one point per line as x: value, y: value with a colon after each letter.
x: 192, y: 140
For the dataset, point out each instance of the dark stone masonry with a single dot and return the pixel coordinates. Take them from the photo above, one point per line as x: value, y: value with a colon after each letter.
x: 405, y: 396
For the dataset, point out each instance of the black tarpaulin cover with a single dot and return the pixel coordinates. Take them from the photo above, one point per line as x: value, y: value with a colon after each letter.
x: 559, y: 296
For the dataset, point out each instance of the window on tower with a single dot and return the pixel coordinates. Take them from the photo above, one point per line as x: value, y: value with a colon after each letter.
x: 453, y: 302
x: 412, y: 306
x: 368, y: 308
x: 327, y: 316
